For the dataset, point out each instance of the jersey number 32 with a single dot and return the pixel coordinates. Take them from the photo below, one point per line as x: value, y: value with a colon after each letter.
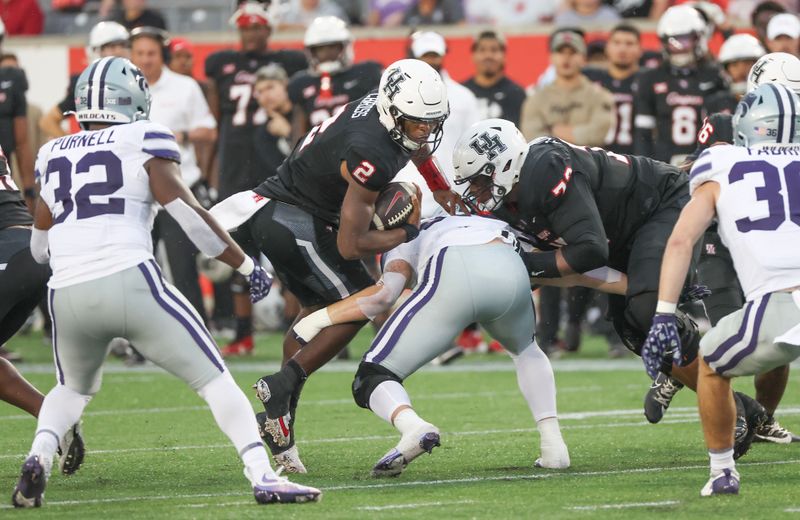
x: 81, y: 199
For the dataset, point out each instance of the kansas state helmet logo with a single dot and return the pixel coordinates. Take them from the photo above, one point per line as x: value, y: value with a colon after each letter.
x: 392, y: 86
x: 489, y: 145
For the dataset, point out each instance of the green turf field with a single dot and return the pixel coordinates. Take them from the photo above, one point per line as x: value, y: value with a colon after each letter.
x: 155, y: 452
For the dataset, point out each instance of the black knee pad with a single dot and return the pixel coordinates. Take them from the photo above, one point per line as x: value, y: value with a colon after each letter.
x: 369, y: 376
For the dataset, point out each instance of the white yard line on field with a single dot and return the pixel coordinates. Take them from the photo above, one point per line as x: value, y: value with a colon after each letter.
x: 465, y: 480
x: 413, y: 506
x: 336, y: 440
x: 625, y: 505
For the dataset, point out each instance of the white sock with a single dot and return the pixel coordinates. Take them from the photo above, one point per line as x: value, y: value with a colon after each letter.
x: 549, y: 431
x: 386, y: 398
x: 61, y: 409
x: 721, y: 460
x: 536, y: 381
x: 236, y: 419
x: 407, y: 421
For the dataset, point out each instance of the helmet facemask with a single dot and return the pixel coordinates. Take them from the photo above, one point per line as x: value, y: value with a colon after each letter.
x: 481, y: 182
x: 683, y: 50
x: 416, y: 147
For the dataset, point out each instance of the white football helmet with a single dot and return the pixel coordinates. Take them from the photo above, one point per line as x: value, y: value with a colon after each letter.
x: 490, y: 155
x: 740, y: 47
x: 329, y: 30
x: 412, y: 90
x: 102, y: 34
x: 776, y: 67
x: 682, y: 32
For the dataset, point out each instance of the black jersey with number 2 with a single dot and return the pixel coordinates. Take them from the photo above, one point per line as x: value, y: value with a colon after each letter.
x: 311, y: 177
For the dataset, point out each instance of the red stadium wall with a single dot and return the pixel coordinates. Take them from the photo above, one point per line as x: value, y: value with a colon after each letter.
x: 527, y: 56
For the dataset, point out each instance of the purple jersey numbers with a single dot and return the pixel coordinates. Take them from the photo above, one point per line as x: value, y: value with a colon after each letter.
x: 82, y: 198
x: 771, y: 193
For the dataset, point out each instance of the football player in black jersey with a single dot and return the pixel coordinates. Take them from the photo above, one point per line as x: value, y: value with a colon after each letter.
x: 623, y: 50
x: 715, y: 267
x: 584, y: 209
x: 737, y: 56
x: 231, y: 75
x: 312, y: 219
x: 333, y: 79
x: 23, y: 283
x: 14, y: 124
x: 669, y: 99
x: 497, y: 95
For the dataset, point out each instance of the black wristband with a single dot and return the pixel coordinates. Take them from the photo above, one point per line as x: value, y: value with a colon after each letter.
x: 29, y: 193
x: 541, y: 264
x: 185, y: 138
x: 412, y: 232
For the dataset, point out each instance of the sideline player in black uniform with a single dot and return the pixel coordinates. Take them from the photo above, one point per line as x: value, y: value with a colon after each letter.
x: 312, y: 219
x: 333, y: 79
x: 497, y: 95
x: 715, y: 266
x: 232, y: 74
x: 584, y: 208
x: 737, y: 56
x: 669, y: 99
x: 23, y: 283
x: 623, y: 50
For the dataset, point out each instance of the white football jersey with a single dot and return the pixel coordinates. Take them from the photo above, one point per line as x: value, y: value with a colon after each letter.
x: 439, y: 232
x: 758, y: 211
x: 97, y: 190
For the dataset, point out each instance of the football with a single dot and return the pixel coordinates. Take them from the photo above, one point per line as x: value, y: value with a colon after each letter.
x: 393, y: 205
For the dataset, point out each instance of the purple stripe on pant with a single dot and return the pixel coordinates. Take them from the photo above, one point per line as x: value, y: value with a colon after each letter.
x: 177, y: 315
x: 733, y: 340
x: 407, y: 311
x: 51, y: 306
x: 753, y: 338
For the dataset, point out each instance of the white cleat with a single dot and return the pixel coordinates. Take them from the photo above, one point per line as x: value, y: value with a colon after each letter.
x: 290, y: 461
x: 553, y: 457
x: 412, y: 445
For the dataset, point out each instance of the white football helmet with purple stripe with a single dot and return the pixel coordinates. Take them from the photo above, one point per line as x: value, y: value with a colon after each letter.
x: 769, y: 114
x: 113, y: 91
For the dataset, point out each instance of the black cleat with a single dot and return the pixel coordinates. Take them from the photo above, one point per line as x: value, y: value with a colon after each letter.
x: 72, y: 450
x: 772, y: 431
x: 660, y: 395
x: 750, y: 417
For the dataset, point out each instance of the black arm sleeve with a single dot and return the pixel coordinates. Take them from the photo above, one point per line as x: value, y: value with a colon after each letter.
x: 577, y: 221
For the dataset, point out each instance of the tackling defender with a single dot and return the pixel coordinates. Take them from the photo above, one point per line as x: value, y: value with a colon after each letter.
x: 92, y: 224
x: 752, y: 191
x: 449, y: 260
x: 587, y: 208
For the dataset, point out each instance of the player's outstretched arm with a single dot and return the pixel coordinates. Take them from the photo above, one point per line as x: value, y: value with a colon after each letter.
x: 610, y: 287
x: 695, y: 218
x: 202, y: 229
x: 439, y: 185
x: 365, y: 304
x: 663, y: 340
x: 355, y: 240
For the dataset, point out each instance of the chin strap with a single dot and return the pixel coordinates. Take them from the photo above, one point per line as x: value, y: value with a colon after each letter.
x: 432, y: 173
